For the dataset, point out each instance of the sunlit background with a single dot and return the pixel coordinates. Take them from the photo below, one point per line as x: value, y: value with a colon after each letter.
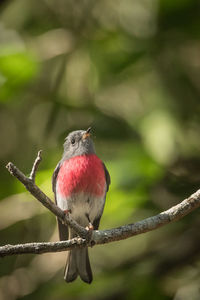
x: 131, y: 70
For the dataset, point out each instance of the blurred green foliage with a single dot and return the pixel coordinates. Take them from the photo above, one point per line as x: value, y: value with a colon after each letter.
x: 131, y: 69
x: 16, y: 70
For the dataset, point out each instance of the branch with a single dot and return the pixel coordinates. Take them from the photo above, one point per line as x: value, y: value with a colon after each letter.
x: 39, y: 248
x: 30, y: 185
x: 98, y: 237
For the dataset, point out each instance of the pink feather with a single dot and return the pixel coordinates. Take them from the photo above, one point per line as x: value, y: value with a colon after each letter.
x: 83, y: 173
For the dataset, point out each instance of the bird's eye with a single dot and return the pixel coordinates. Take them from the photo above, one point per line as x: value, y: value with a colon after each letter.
x: 73, y: 141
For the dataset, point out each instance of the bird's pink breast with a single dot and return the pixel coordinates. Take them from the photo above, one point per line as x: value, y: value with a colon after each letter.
x: 83, y: 173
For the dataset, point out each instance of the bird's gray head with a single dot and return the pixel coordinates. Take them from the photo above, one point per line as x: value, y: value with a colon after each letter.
x: 78, y: 143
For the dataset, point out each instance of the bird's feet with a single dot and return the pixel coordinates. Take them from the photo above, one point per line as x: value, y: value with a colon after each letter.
x: 90, y: 227
x: 67, y: 211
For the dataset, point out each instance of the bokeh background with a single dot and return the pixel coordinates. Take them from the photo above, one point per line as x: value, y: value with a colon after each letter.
x: 130, y: 69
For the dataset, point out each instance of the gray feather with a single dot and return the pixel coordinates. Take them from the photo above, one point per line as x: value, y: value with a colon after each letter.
x: 54, y: 179
x: 71, y: 272
x: 78, y: 264
x: 63, y: 229
x: 107, y: 175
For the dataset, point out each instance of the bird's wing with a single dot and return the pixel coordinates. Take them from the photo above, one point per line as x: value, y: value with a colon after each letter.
x: 54, y: 179
x: 63, y: 229
x: 108, y: 180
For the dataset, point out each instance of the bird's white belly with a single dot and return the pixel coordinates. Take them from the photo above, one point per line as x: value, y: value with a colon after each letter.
x: 83, y: 206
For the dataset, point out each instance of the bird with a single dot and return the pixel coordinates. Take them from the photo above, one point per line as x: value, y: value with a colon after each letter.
x: 80, y: 183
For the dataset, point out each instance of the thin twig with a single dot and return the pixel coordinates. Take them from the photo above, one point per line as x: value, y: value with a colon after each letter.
x: 35, y: 166
x: 98, y: 237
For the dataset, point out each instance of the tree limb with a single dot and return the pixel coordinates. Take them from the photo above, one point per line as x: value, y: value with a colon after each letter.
x: 30, y: 185
x: 39, y: 248
x: 98, y: 236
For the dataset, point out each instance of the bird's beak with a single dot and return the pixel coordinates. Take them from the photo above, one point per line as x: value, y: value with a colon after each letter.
x: 86, y: 134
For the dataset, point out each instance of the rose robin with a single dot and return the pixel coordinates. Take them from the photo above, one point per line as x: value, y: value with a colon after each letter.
x: 80, y: 183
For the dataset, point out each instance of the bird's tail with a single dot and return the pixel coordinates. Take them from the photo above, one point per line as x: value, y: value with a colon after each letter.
x: 78, y: 264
